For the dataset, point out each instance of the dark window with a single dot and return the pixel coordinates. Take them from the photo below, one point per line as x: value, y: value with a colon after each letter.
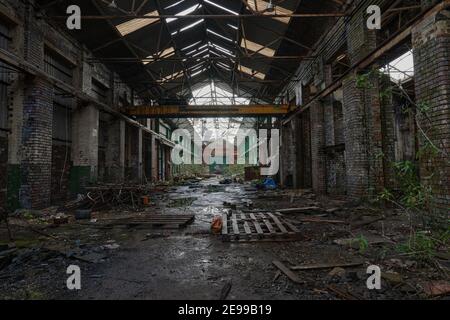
x: 4, y: 112
x: 62, y: 117
x: 5, y: 37
x: 100, y: 91
x: 58, y: 67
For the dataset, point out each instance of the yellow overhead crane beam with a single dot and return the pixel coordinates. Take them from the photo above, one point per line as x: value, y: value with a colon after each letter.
x: 205, y: 111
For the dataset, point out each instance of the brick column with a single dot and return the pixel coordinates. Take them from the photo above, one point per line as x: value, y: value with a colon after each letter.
x: 16, y: 102
x: 363, y: 138
x: 85, y: 126
x: 140, y: 155
x: 35, y: 188
x: 317, y: 147
x: 115, y: 152
x: 298, y: 156
x: 155, y: 162
x: 362, y: 118
x: 287, y: 155
x: 431, y: 43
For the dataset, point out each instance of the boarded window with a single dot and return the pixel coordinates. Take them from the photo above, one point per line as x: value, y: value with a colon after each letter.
x: 58, y: 67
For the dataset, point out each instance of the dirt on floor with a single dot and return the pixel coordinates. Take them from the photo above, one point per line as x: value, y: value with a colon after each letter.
x: 338, y: 240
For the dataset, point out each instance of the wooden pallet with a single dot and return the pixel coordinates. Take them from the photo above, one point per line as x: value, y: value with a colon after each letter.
x: 249, y: 227
x: 175, y: 221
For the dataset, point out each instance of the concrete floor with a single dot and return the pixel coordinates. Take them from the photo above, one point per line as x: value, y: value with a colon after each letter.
x: 194, y: 264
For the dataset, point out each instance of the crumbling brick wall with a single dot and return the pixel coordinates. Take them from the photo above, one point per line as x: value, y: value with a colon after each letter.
x: 431, y: 38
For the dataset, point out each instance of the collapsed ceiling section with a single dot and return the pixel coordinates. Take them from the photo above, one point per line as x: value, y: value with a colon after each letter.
x: 171, y: 48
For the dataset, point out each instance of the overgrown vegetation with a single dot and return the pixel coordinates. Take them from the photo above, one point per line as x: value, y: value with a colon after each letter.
x: 424, y: 245
x: 429, y: 230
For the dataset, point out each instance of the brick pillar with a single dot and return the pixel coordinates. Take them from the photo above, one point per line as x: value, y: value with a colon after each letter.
x: 362, y: 117
x: 328, y: 117
x: 16, y: 102
x: 298, y: 156
x: 363, y: 137
x: 431, y: 43
x: 85, y: 126
x: 317, y: 147
x: 288, y: 155
x: 115, y: 151
x: 35, y: 188
x: 140, y: 155
x: 155, y: 162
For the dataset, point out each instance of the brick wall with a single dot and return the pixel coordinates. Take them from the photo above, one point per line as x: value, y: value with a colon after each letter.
x: 334, y: 148
x: 3, y: 168
x: 115, y: 143
x: 61, y: 165
x: 36, y: 144
x: 305, y: 121
x: 288, y: 155
x: 318, y: 147
x: 431, y: 38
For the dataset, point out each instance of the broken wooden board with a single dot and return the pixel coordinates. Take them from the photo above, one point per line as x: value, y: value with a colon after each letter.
x: 287, y: 271
x: 176, y: 221
x: 299, y: 210
x: 326, y: 266
x: 260, y: 227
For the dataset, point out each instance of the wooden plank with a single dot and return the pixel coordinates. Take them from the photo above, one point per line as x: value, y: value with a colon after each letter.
x: 291, y: 226
x: 326, y: 266
x: 224, y: 224
x: 246, y: 226
x: 278, y: 223
x: 256, y: 224
x: 235, y: 224
x: 287, y: 271
x: 268, y: 224
x: 318, y: 220
x: 298, y: 210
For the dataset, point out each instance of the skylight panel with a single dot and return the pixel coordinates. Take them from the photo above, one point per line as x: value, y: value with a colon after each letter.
x: 251, y: 72
x: 255, y: 47
x: 166, y: 53
x: 174, y: 5
x: 198, y: 72
x: 188, y: 27
x: 222, y: 49
x: 190, y: 46
x: 184, y: 12
x: 136, y: 24
x: 223, y: 64
x: 198, y: 66
x: 261, y: 5
x: 219, y: 35
x: 200, y: 52
x: 221, y: 7
x: 174, y: 76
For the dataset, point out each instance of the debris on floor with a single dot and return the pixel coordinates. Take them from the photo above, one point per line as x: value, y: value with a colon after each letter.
x: 287, y: 244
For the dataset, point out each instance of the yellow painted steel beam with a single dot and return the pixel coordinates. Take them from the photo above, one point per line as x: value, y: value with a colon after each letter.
x: 185, y: 111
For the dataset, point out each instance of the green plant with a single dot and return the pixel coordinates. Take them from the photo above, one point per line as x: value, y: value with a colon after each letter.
x: 363, y: 244
x: 413, y: 194
x: 423, y: 245
x: 363, y: 81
